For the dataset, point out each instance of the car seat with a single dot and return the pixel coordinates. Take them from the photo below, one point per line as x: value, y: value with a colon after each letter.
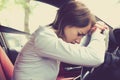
x: 6, y: 67
x: 110, y: 69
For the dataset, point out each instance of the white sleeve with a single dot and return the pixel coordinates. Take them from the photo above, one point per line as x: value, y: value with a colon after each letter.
x: 55, y: 48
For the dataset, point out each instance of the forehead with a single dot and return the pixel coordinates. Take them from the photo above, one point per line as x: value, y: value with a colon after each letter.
x: 84, y: 29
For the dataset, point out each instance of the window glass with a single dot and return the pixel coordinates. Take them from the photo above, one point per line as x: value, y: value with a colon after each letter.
x: 15, y: 41
x: 107, y: 10
x: 13, y: 15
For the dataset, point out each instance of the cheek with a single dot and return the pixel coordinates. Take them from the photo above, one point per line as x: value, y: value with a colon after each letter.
x: 81, y: 38
x: 71, y: 37
x: 68, y: 38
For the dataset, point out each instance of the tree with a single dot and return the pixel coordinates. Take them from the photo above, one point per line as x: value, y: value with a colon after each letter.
x: 2, y: 4
x: 25, y: 5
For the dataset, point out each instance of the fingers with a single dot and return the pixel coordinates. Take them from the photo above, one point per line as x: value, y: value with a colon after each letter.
x: 101, y: 25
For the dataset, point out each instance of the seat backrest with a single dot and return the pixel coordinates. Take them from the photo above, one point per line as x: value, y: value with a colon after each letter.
x: 2, y: 75
x: 5, y: 65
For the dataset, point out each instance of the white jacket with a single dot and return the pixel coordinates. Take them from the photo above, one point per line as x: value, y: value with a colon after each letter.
x: 41, y: 56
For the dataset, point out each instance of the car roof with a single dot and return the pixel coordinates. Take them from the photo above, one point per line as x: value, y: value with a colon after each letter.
x: 56, y: 3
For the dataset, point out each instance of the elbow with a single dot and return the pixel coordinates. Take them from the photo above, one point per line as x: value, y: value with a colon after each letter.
x: 100, y: 57
x: 99, y: 61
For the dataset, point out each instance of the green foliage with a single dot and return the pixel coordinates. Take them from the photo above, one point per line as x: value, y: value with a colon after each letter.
x: 23, y: 3
x: 26, y: 4
x: 119, y: 1
x: 3, y: 4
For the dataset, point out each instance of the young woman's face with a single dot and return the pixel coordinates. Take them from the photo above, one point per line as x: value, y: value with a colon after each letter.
x: 74, y: 34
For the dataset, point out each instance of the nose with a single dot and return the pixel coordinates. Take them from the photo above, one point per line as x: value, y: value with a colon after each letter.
x: 78, y: 40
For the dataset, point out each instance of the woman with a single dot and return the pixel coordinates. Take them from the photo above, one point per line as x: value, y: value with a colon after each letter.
x: 48, y: 46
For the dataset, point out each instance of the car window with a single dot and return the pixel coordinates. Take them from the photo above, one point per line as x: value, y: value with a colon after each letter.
x: 40, y: 14
x: 107, y: 10
x: 15, y: 41
x: 43, y: 14
x: 13, y: 16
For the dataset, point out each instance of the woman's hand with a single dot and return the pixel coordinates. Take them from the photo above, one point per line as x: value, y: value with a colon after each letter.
x: 100, y: 25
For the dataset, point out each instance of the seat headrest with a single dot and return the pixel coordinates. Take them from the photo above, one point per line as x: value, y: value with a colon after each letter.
x: 115, y: 36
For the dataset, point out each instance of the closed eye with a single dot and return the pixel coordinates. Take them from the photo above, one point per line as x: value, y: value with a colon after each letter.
x: 79, y: 34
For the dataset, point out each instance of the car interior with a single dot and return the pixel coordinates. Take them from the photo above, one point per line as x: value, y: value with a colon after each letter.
x: 8, y: 56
